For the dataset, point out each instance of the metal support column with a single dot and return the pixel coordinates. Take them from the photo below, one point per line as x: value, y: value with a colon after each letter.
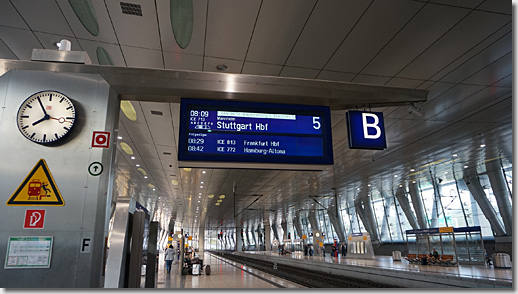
x: 116, y: 262
x: 137, y: 239
x: 267, y: 230
x: 501, y: 192
x: 405, y: 206
x: 478, y: 193
x: 418, y: 205
x: 151, y: 255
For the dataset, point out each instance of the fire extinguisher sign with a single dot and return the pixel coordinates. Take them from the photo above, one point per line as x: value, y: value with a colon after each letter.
x: 34, y: 219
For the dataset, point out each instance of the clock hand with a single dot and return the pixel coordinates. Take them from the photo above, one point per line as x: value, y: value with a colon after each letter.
x: 46, y: 117
x: 61, y: 120
x: 43, y: 108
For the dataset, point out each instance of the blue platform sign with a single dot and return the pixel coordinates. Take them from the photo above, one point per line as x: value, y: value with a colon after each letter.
x: 366, y: 130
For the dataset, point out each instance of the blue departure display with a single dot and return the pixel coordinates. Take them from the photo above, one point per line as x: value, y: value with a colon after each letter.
x: 230, y: 131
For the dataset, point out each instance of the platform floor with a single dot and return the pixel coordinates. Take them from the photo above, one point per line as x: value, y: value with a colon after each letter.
x: 385, y: 262
x: 224, y: 274
x: 228, y: 274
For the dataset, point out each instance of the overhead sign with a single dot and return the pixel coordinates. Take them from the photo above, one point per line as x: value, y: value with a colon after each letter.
x: 244, y: 132
x: 38, y: 189
x: 34, y: 219
x: 366, y: 130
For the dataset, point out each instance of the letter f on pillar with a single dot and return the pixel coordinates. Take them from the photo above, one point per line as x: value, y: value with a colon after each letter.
x: 367, y: 125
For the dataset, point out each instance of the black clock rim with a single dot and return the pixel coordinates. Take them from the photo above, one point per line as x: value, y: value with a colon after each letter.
x: 53, y: 141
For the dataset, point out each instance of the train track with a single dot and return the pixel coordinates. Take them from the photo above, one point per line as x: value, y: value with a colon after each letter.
x: 305, y: 277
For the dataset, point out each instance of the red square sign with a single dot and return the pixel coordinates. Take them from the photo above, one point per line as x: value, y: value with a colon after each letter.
x: 34, y: 219
x: 101, y: 139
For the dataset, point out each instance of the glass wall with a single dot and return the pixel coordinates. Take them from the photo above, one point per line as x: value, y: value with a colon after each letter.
x: 448, y: 204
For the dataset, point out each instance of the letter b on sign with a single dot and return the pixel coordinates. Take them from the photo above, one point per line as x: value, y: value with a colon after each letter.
x: 366, y: 130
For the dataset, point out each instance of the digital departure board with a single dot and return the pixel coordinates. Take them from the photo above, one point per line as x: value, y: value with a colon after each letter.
x: 216, y: 133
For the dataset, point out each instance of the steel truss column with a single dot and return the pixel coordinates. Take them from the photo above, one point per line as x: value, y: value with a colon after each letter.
x: 479, y: 195
x: 501, y: 192
x: 405, y: 205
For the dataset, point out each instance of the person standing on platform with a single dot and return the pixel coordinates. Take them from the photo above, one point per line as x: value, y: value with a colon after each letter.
x: 169, y: 257
x: 324, y: 251
x: 344, y: 250
x: 306, y: 250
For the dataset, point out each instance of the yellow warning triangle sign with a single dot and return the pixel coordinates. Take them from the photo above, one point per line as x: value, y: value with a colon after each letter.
x: 38, y: 189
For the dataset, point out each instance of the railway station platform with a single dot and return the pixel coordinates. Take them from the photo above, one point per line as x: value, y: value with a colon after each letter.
x: 402, y: 273
x: 226, y: 273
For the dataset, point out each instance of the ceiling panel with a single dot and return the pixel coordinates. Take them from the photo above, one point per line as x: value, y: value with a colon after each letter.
x: 335, y: 76
x: 297, y: 72
x: 262, y: 69
x: 472, y: 30
x: 43, y: 16
x: 106, y: 32
x: 320, y: 39
x: 270, y: 44
x: 5, y: 52
x: 370, y: 79
x: 497, y: 6
x: 414, y: 38
x: 489, y: 49
x: 179, y: 61
x: 459, y: 3
x: 210, y: 64
x: 380, y: 25
x: 10, y: 17
x: 229, y: 26
x: 20, y: 42
x: 494, y: 72
x: 141, y: 57
x: 197, y: 42
x: 113, y: 50
x: 134, y: 30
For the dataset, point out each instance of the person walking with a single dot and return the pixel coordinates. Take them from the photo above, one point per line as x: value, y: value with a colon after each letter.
x: 169, y: 257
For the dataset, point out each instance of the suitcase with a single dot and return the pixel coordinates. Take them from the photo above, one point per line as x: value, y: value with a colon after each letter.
x: 207, y: 269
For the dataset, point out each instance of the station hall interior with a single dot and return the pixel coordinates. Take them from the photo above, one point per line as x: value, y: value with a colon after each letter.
x: 448, y: 156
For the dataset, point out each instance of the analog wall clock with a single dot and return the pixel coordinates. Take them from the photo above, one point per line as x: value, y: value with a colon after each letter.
x: 46, y: 117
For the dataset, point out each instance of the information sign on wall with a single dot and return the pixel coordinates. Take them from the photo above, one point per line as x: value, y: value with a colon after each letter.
x: 242, y: 132
x: 366, y: 130
x: 28, y: 252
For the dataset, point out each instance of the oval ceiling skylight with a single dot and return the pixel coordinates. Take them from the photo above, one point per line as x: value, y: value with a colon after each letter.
x: 103, y: 56
x: 84, y: 10
x: 182, y: 17
x: 126, y: 148
x: 128, y: 110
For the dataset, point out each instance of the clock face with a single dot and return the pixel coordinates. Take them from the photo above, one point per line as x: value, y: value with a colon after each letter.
x: 46, y: 117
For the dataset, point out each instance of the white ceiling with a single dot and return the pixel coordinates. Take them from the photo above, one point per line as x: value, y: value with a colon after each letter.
x: 461, y: 51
